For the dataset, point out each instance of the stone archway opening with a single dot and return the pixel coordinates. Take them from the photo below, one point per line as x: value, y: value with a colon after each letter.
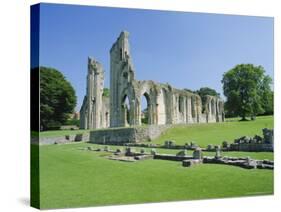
x: 181, y: 104
x: 126, y: 111
x: 145, y: 109
x: 106, y: 119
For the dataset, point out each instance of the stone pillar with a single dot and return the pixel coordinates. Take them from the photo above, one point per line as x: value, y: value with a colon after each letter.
x: 138, y: 111
x: 153, y: 112
x: 121, y: 73
x: 268, y: 136
x: 197, y: 154
x: 172, y: 108
x: 199, y: 108
x: 193, y: 112
x: 149, y: 113
x: 93, y: 102
x: 217, y: 111
x: 189, y: 108
x: 168, y: 103
x: 184, y: 115
x: 218, y: 152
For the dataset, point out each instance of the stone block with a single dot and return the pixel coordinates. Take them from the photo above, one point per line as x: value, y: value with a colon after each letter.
x: 78, y: 137
x: 182, y: 153
x: 106, y: 148
x: 197, y: 154
x: 210, y: 147
x: 153, y: 152
x: 191, y: 162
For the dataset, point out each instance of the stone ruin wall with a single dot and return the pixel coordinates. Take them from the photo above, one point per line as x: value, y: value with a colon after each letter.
x: 166, y: 105
x: 94, y: 113
x: 126, y: 135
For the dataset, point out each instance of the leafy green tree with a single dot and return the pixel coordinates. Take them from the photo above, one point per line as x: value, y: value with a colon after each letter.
x: 203, y: 92
x: 186, y: 89
x: 247, y: 89
x: 106, y: 92
x: 267, y: 96
x: 144, y: 119
x: 57, y: 98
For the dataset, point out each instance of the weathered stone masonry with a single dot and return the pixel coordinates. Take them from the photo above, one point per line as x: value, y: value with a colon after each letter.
x: 94, y: 112
x: 165, y: 104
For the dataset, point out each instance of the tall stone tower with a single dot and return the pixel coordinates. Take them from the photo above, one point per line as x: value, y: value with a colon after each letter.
x: 92, y: 108
x: 121, y: 74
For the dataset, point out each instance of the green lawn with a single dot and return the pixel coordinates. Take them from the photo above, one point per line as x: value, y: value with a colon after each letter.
x: 73, y: 177
x: 53, y: 133
x: 215, y: 133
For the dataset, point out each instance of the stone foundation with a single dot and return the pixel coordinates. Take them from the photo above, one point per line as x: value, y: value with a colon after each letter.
x: 63, y: 139
x: 119, y: 136
x: 251, y: 147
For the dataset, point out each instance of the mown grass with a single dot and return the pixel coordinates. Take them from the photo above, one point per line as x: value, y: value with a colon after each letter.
x: 215, y: 133
x: 53, y: 133
x: 73, y: 177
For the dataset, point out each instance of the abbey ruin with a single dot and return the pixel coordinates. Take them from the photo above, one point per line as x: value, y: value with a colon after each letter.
x: 166, y: 105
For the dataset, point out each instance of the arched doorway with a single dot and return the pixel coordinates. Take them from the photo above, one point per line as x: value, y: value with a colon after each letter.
x: 145, y: 109
x: 126, y: 111
x: 106, y: 119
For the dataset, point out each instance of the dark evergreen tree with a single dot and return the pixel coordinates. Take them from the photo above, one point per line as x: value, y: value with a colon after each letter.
x: 57, y: 98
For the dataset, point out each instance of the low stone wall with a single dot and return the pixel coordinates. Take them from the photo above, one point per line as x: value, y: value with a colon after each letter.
x: 248, y: 147
x: 171, y: 157
x: 247, y: 163
x: 64, y: 139
x: 254, y: 144
x: 120, y: 136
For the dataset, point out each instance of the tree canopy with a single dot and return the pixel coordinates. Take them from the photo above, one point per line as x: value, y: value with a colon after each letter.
x: 105, y: 92
x: 57, y: 98
x: 248, y: 91
x: 203, y: 92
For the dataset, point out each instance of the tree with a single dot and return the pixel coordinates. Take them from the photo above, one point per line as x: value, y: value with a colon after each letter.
x: 105, y: 92
x: 247, y: 90
x: 57, y: 98
x: 267, y: 96
x: 144, y: 118
x: 203, y: 92
x: 186, y: 89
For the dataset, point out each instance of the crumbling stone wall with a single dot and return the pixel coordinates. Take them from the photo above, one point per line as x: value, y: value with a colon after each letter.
x: 62, y: 139
x: 123, y: 135
x: 255, y: 144
x: 165, y: 105
x: 94, y: 112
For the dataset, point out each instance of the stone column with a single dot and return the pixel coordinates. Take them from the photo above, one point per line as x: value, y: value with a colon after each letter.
x: 199, y: 108
x: 197, y: 154
x: 193, y: 109
x: 184, y: 110
x: 168, y: 106
x: 189, y: 112
x: 138, y: 111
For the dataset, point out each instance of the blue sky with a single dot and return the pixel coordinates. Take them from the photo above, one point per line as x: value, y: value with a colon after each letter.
x: 187, y: 50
